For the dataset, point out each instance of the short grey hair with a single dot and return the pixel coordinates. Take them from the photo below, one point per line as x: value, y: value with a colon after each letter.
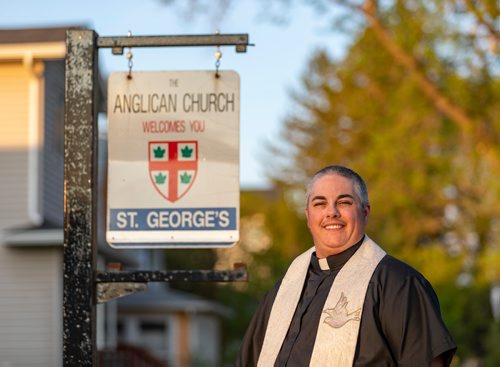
x: 359, y: 184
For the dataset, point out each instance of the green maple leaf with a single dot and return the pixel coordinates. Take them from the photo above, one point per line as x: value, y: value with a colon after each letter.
x: 185, y: 178
x: 159, y: 152
x: 160, y: 178
x: 186, y: 152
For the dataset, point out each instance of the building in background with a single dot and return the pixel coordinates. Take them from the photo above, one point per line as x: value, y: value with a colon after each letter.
x: 160, y: 326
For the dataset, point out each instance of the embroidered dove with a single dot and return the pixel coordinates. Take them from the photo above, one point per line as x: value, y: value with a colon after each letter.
x: 338, y: 316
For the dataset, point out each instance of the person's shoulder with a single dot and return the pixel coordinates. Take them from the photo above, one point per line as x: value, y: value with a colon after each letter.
x: 393, y: 270
x: 393, y: 264
x: 394, y: 278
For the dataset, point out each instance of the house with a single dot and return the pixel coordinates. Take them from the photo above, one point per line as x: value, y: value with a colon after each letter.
x: 181, y: 328
x: 162, y: 325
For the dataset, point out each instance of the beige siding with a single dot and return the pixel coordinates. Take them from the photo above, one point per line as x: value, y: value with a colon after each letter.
x: 14, y: 97
x: 14, y: 92
x: 13, y: 188
x: 30, y: 307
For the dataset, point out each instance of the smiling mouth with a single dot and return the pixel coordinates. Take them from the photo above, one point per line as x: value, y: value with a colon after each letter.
x: 333, y: 226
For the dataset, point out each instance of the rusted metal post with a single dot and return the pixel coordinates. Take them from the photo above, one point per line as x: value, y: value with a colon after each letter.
x: 80, y: 197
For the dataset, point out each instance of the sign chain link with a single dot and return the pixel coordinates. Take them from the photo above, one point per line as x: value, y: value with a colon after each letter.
x: 130, y: 56
x: 218, y: 56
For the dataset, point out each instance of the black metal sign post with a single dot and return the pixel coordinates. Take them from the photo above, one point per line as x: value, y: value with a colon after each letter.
x: 80, y: 198
x: 81, y: 280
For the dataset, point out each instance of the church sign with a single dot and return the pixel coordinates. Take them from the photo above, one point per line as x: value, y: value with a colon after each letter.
x: 173, y: 159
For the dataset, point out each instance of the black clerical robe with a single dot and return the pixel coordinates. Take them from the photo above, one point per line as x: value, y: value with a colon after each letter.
x: 401, y: 324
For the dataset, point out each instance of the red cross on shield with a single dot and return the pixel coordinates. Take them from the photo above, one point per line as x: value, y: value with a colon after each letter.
x: 172, y: 167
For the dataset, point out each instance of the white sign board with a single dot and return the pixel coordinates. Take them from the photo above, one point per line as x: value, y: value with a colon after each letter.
x: 173, y: 159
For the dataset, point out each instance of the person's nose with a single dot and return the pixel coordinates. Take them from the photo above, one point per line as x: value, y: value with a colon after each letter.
x: 333, y: 211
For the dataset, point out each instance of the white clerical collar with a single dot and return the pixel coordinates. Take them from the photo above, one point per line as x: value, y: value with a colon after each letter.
x: 335, y: 262
x: 323, y: 264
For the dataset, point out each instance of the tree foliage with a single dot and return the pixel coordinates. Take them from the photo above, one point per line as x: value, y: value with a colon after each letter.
x: 413, y: 107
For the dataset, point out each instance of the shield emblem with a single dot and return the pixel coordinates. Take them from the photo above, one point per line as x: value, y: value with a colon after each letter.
x: 172, y: 167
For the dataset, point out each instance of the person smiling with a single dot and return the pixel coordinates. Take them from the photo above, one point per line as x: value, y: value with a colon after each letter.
x: 345, y: 302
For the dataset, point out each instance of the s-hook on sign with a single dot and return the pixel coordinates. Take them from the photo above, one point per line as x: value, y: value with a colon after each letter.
x: 173, y: 159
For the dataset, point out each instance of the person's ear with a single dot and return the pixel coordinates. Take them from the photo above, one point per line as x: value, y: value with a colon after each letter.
x: 366, y: 212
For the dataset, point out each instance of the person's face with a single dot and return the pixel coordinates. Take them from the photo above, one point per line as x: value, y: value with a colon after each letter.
x: 335, y: 215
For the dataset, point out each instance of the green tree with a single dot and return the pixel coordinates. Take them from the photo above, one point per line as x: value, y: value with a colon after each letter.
x: 412, y: 108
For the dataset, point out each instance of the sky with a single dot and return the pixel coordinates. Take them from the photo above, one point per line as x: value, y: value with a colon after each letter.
x: 268, y: 71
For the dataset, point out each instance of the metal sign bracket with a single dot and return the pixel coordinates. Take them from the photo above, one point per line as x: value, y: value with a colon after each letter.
x: 83, y: 286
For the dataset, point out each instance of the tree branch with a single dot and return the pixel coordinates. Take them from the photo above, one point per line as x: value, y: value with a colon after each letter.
x: 403, y: 58
x: 495, y: 34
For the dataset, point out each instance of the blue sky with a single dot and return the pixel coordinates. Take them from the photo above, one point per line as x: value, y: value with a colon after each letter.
x: 268, y: 71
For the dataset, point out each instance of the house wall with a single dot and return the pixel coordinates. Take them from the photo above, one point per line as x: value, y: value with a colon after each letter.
x: 149, y: 330
x: 30, y: 277
x: 30, y: 307
x: 53, y: 136
x: 14, y: 141
x: 205, y: 340
x: 182, y: 339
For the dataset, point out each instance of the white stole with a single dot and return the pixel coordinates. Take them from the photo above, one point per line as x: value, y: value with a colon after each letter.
x: 338, y: 328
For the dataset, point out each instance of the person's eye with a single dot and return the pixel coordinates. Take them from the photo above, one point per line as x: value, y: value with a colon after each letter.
x: 319, y: 203
x: 345, y: 203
